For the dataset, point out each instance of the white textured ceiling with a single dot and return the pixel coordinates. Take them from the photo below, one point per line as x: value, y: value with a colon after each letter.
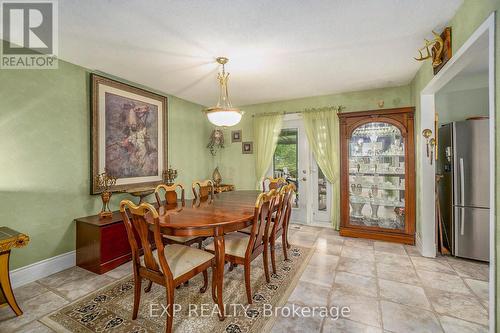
x: 279, y: 49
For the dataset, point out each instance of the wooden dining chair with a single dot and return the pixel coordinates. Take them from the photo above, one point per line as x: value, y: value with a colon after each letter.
x: 203, y: 189
x: 170, y: 266
x: 170, y: 199
x: 242, y: 248
x: 273, y: 183
x: 279, y: 226
x: 170, y: 194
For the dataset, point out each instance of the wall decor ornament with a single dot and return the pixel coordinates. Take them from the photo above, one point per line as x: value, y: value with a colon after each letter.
x: 216, y: 141
x: 247, y: 147
x: 440, y: 51
x: 128, y: 133
x: 236, y: 136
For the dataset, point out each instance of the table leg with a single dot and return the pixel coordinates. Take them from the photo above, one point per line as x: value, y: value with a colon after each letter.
x: 5, y: 286
x: 219, y: 259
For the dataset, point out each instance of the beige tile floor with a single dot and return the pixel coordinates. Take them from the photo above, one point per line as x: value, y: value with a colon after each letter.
x: 388, y: 287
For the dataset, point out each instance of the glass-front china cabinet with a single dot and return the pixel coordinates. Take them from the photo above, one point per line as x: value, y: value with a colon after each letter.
x: 378, y: 175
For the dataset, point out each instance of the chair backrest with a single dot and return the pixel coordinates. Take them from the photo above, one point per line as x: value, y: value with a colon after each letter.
x: 264, y: 206
x: 170, y: 194
x: 142, y: 219
x: 203, y: 189
x: 273, y: 183
x: 284, y: 206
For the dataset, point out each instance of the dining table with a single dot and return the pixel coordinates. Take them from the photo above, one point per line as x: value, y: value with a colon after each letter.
x: 216, y: 216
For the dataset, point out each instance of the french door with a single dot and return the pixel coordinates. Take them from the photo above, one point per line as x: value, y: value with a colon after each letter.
x: 294, y: 161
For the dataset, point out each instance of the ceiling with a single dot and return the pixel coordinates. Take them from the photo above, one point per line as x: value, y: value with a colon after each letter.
x: 280, y: 49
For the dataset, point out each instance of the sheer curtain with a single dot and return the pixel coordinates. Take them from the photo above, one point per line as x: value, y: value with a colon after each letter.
x: 266, y: 129
x: 322, y: 130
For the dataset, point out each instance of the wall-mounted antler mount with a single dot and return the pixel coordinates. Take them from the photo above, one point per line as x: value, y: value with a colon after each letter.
x: 438, y: 49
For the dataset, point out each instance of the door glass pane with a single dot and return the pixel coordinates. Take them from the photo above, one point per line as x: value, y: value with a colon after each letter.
x: 322, y: 183
x: 285, y: 161
x: 377, y: 176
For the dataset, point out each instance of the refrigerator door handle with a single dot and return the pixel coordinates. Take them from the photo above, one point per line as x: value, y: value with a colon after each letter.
x: 462, y: 182
x: 462, y: 222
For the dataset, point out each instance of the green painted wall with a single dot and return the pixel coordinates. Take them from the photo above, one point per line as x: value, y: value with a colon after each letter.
x: 45, y: 155
x: 239, y: 169
x: 468, y: 18
x: 463, y: 97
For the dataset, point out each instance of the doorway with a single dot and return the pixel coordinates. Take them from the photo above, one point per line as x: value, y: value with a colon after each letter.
x: 474, y: 58
x: 294, y: 161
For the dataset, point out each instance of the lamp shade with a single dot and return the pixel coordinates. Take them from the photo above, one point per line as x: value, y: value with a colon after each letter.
x: 224, y: 117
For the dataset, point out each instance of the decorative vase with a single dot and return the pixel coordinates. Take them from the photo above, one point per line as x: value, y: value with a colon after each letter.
x: 217, y: 177
x: 374, y: 211
x: 105, y: 211
x: 103, y: 182
x: 357, y: 207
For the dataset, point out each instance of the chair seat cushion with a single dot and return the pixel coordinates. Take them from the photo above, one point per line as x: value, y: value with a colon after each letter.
x: 181, y: 258
x: 180, y: 239
x: 235, y: 244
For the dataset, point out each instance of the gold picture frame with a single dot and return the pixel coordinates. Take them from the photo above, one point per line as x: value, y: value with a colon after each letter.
x: 129, y: 138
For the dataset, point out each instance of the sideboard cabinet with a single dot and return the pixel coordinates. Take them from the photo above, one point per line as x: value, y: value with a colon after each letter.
x: 377, y: 179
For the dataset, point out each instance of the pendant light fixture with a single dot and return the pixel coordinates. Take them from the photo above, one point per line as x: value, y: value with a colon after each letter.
x: 223, y: 114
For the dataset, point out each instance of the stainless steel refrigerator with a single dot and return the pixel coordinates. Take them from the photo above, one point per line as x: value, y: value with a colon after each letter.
x: 463, y: 162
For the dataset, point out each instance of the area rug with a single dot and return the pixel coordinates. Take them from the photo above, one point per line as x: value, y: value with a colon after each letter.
x: 110, y: 308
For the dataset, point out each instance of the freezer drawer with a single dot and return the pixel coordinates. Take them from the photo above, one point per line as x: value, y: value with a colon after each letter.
x: 472, y: 233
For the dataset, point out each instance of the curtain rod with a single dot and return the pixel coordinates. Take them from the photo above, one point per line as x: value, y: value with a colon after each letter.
x: 337, y: 108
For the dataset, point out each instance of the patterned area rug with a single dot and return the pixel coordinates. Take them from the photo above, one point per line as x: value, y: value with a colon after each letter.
x: 110, y: 308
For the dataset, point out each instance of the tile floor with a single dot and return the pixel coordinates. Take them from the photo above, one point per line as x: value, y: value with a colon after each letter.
x: 388, y: 287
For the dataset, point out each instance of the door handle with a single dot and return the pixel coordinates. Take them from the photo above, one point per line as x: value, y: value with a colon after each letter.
x: 462, y: 222
x: 304, y: 179
x: 462, y: 182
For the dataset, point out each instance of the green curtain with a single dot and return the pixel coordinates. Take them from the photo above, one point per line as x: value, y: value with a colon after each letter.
x: 266, y: 129
x: 322, y: 130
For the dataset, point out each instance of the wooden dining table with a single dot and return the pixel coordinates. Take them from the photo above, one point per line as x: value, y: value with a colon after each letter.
x: 226, y: 212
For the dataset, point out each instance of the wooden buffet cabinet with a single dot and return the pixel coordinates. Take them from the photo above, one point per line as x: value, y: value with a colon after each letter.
x: 101, y: 243
x: 377, y: 182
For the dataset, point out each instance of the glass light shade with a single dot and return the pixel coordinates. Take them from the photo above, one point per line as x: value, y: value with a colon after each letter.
x: 224, y: 117
x: 223, y: 114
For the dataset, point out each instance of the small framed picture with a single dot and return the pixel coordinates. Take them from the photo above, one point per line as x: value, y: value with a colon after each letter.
x: 247, y: 147
x: 236, y: 136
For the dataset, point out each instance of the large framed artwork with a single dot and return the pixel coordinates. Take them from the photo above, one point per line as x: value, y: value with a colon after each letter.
x: 129, y: 134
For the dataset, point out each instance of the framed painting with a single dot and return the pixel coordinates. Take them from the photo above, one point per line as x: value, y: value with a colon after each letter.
x: 247, y: 147
x: 128, y: 133
x: 236, y: 136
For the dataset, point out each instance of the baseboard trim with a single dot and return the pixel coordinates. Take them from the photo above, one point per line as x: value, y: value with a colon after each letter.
x: 418, y: 242
x: 41, y: 269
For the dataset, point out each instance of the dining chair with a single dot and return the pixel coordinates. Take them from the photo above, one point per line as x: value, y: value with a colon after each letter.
x: 279, y: 225
x: 170, y: 199
x: 242, y: 249
x: 203, y: 189
x: 170, y: 194
x: 170, y: 266
x: 274, y: 183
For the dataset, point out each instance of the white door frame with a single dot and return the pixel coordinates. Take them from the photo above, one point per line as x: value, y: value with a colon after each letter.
x: 426, y: 241
x: 309, y: 186
x: 305, y: 200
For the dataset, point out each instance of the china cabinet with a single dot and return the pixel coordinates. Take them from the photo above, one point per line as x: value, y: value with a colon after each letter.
x: 378, y: 175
